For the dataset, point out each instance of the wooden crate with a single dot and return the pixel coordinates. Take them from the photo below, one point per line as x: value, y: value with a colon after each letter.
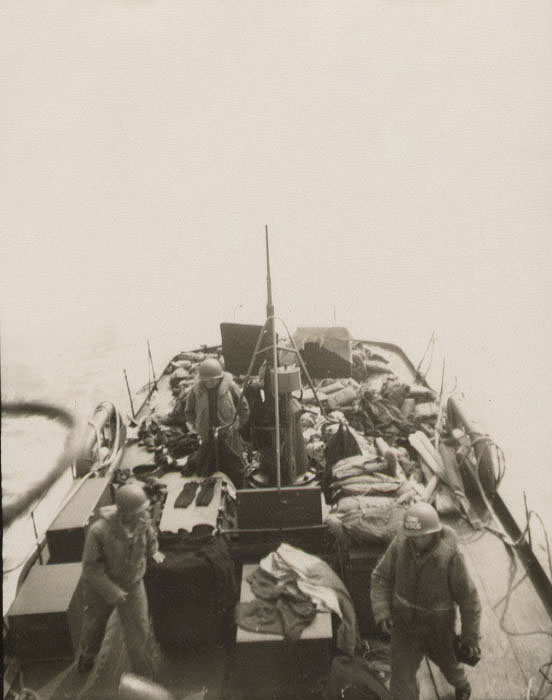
x: 65, y: 536
x: 45, y: 618
x: 266, y: 667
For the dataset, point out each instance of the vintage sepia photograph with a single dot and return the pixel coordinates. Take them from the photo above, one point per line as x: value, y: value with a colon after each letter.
x: 275, y: 341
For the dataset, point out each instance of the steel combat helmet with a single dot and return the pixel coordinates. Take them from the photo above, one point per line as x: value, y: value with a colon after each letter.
x: 421, y: 519
x: 131, y: 499
x: 210, y: 369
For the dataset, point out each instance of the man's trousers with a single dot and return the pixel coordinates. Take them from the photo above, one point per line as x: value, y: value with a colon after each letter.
x: 133, y: 614
x: 408, y: 647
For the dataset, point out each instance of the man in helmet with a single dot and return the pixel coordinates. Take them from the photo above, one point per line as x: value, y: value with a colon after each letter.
x: 212, y: 402
x: 114, y: 561
x: 415, y: 589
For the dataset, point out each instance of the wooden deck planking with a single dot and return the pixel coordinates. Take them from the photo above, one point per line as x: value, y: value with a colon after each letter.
x: 51, y: 680
x: 182, y: 674
x: 426, y: 684
x: 60, y: 680
x: 499, y: 675
x: 193, y: 672
x: 499, y: 569
x: 135, y: 455
x: 443, y: 690
x: 111, y: 662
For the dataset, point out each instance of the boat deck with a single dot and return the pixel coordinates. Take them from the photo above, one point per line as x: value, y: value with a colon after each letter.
x: 516, y: 639
x: 516, y: 642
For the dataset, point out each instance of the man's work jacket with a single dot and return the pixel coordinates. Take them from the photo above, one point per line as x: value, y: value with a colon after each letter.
x: 197, y: 405
x: 421, y: 590
x: 115, y: 556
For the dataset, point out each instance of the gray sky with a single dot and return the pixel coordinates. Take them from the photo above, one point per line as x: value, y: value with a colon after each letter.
x: 400, y: 153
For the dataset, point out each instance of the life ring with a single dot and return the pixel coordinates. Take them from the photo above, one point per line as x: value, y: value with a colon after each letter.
x: 103, y: 440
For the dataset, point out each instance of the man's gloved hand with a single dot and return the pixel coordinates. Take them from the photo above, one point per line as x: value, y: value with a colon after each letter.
x: 158, y: 557
x: 466, y: 652
x: 385, y: 626
x: 121, y: 598
x: 473, y: 653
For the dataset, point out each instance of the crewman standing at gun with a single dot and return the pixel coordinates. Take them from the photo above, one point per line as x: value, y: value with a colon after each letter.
x: 415, y: 589
x: 115, y: 555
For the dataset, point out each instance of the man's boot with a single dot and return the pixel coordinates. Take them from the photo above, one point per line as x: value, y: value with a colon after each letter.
x: 85, y: 664
x: 463, y: 693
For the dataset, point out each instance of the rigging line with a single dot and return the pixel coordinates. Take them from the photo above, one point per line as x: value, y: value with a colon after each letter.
x: 516, y: 585
x: 430, y: 362
x: 429, y: 344
x: 454, y: 389
x: 441, y: 407
x: 510, y: 548
x: 508, y: 542
x: 152, y: 367
x: 510, y: 588
x: 129, y: 395
x: 502, y: 622
x: 521, y: 539
x: 544, y: 680
x: 549, y: 554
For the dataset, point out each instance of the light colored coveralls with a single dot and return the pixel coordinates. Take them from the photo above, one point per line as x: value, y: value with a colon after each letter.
x: 418, y: 591
x: 114, y: 561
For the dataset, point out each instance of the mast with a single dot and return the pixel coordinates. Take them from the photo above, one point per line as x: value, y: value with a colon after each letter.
x: 272, y: 325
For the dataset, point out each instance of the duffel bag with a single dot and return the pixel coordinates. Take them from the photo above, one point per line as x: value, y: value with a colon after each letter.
x: 352, y: 679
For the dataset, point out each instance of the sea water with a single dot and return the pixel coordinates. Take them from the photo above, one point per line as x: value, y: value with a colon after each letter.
x: 77, y: 378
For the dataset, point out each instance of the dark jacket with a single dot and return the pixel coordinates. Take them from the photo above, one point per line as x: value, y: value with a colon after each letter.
x: 422, y: 589
x: 115, y: 557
